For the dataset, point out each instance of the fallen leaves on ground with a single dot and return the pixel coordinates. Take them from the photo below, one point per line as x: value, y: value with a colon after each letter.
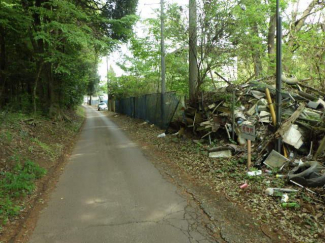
x: 305, y: 224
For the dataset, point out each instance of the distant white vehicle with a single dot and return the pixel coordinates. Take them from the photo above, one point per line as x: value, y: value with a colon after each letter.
x: 102, y: 106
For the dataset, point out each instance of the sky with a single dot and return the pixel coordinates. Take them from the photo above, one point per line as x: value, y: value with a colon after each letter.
x: 146, y: 10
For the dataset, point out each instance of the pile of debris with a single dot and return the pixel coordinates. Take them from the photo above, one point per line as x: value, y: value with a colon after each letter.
x: 231, y: 117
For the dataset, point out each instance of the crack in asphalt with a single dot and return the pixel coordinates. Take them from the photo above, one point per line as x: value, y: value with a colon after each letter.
x: 191, y: 216
x: 208, y: 224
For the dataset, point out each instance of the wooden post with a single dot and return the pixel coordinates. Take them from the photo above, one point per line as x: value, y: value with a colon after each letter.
x: 249, y: 153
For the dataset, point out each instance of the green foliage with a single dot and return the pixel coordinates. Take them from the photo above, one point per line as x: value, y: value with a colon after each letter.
x: 45, y: 147
x: 80, y: 111
x: 120, y: 17
x: 142, y: 68
x: 55, y: 45
x: 6, y: 137
x: 235, y: 39
x: 16, y: 184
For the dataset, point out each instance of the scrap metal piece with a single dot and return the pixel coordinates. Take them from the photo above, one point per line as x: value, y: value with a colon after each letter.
x: 275, y: 160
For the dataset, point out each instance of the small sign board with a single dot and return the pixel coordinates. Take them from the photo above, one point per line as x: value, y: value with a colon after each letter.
x: 248, y: 131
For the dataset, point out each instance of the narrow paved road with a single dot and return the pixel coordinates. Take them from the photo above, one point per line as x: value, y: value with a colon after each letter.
x: 109, y: 192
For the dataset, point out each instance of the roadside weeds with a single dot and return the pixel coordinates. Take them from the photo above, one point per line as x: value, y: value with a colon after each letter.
x: 36, y: 146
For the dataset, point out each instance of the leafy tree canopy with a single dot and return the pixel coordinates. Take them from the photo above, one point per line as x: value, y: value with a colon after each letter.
x: 50, y: 49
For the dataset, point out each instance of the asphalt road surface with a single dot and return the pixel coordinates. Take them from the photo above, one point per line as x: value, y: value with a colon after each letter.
x: 109, y: 192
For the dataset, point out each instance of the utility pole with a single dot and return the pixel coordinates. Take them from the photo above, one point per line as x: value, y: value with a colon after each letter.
x: 162, y: 45
x: 278, y: 71
x: 193, y: 69
x: 108, y: 103
x: 163, y: 64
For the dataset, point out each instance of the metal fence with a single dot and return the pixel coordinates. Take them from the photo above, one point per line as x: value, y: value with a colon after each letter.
x: 154, y: 108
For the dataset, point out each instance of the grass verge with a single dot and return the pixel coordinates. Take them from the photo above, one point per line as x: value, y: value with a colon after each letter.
x: 29, y: 147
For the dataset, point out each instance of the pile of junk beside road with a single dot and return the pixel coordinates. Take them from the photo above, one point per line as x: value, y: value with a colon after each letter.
x: 240, y: 120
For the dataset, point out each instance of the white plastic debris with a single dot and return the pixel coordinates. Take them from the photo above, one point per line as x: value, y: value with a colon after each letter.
x: 270, y: 191
x: 265, y: 117
x: 239, y: 114
x: 221, y: 154
x: 298, y: 162
x: 285, y: 198
x: 293, y: 137
x: 254, y: 173
x: 162, y: 135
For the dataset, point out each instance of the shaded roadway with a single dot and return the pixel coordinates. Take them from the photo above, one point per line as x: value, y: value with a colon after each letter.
x: 109, y: 192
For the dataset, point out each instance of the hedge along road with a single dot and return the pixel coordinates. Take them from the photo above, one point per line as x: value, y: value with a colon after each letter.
x: 109, y: 192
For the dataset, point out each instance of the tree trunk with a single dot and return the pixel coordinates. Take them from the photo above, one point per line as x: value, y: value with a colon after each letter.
x: 256, y: 55
x: 2, y: 65
x: 54, y: 112
x: 271, y: 43
x: 257, y: 63
x: 35, y: 85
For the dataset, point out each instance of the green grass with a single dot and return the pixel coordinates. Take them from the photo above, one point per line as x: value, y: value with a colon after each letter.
x: 15, y: 185
x: 80, y: 111
x: 12, y: 119
x: 17, y: 179
x: 6, y: 136
x: 75, y: 125
x: 45, y: 147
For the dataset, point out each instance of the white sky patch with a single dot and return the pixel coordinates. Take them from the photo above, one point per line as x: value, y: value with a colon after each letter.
x: 146, y: 9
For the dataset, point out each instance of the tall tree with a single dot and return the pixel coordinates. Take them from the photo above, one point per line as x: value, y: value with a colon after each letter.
x: 55, y: 45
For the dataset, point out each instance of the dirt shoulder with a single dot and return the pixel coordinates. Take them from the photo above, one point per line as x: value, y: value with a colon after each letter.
x: 238, y: 215
x: 43, y: 143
